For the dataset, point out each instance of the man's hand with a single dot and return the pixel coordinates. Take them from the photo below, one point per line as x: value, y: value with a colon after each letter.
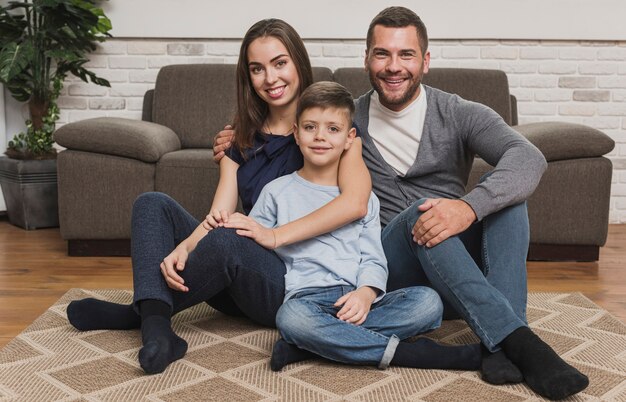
x: 248, y: 227
x: 215, y: 219
x: 171, y: 265
x: 222, y: 141
x: 356, y: 305
x: 442, y: 218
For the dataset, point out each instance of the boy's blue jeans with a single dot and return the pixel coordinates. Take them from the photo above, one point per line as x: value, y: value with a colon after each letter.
x: 308, y: 320
x: 480, y: 274
x: 232, y: 273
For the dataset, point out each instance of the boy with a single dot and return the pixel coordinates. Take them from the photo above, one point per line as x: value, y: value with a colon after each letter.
x: 335, y: 303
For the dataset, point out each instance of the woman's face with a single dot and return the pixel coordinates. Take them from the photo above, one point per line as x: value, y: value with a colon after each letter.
x: 272, y: 71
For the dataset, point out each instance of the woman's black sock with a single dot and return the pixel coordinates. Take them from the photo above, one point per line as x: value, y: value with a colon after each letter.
x: 91, y: 314
x: 544, y: 371
x: 285, y: 353
x: 428, y: 354
x: 497, y: 369
x: 161, y: 346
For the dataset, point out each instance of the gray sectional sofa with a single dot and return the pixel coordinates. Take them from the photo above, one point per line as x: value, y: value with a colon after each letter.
x: 108, y: 162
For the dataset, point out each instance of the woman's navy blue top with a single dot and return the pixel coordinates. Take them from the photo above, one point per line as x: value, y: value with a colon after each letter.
x: 270, y: 157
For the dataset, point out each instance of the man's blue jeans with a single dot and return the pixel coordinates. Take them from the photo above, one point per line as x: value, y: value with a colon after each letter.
x: 309, y: 320
x: 232, y: 273
x: 480, y: 274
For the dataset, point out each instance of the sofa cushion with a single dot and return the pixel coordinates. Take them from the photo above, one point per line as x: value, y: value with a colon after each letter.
x: 559, y: 141
x: 195, y: 100
x: 189, y: 176
x: 134, y: 139
x: 97, y: 191
x: 322, y: 74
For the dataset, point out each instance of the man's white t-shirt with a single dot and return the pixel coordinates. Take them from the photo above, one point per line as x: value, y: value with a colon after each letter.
x: 397, y: 134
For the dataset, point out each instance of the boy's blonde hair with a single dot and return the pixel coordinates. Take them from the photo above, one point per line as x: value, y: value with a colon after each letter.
x: 326, y: 94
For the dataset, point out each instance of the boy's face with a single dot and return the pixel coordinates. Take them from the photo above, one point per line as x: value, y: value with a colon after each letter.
x: 323, y: 134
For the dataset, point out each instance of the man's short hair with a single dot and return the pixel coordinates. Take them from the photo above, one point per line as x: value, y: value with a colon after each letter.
x: 326, y: 94
x: 399, y: 17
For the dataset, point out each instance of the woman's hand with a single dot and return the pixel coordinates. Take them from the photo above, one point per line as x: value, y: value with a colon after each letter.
x: 356, y: 305
x: 215, y: 219
x: 248, y: 227
x: 171, y: 265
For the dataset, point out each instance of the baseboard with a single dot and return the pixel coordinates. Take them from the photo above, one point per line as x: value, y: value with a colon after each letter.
x: 536, y: 252
x: 560, y: 252
x: 99, y: 248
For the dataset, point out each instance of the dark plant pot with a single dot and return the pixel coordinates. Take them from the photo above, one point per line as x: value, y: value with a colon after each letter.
x: 30, y: 192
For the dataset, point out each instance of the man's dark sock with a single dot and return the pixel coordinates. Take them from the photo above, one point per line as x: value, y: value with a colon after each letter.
x: 544, y: 371
x: 90, y: 314
x: 161, y: 346
x: 285, y: 353
x: 428, y: 354
x: 497, y: 369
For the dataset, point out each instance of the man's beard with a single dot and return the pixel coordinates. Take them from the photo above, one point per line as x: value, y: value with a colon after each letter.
x: 400, y: 99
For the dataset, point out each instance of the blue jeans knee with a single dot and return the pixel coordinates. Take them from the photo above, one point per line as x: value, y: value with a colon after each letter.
x: 426, y: 307
x: 294, y: 320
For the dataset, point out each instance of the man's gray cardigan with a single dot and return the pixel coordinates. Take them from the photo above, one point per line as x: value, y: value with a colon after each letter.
x: 454, y: 131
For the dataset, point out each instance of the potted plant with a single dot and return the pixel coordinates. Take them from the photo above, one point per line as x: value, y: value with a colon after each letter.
x: 42, y: 41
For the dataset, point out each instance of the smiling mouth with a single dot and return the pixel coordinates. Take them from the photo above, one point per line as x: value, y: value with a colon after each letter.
x: 276, y: 92
x: 394, y: 82
x: 319, y: 149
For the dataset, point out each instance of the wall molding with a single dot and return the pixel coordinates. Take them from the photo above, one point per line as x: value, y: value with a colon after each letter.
x: 349, y: 19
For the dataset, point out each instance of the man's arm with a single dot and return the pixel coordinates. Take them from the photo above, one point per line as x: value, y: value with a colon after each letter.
x: 222, y: 142
x: 355, y: 185
x: 519, y: 166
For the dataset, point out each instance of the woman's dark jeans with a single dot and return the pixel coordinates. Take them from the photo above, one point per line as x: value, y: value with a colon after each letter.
x: 232, y: 273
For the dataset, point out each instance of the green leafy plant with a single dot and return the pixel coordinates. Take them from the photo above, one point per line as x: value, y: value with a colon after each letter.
x: 41, y: 42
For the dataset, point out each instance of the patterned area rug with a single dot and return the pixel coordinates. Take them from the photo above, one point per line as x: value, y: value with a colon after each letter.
x: 228, y: 361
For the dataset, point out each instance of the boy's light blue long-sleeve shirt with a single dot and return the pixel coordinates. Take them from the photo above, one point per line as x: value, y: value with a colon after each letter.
x: 351, y: 255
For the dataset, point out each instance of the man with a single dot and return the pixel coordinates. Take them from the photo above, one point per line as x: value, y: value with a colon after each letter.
x: 419, y: 144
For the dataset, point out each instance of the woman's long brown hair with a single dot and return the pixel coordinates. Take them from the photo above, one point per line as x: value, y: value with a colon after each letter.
x: 251, y: 109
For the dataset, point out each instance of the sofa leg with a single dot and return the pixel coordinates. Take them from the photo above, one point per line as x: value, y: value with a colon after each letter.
x: 560, y: 252
x: 99, y: 248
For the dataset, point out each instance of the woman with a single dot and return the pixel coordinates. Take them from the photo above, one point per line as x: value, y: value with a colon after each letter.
x: 207, y: 261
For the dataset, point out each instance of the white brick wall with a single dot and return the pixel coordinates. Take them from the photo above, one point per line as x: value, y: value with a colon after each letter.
x: 574, y: 81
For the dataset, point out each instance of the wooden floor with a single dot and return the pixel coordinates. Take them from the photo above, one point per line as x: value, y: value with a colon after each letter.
x: 35, y: 271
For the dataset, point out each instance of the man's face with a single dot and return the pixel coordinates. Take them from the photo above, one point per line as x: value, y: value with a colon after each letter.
x: 395, y: 65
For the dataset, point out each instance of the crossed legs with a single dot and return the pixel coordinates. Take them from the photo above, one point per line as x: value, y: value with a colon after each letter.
x: 308, y: 320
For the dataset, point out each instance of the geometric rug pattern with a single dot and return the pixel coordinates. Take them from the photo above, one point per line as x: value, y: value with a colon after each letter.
x: 228, y: 360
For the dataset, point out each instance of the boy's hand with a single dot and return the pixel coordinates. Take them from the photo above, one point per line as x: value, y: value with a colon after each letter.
x: 174, y: 262
x: 356, y: 305
x: 221, y: 143
x: 215, y: 219
x: 248, y: 227
x: 442, y: 218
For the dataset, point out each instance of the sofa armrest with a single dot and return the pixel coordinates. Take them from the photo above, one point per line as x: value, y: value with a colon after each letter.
x: 560, y: 141
x: 134, y: 139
